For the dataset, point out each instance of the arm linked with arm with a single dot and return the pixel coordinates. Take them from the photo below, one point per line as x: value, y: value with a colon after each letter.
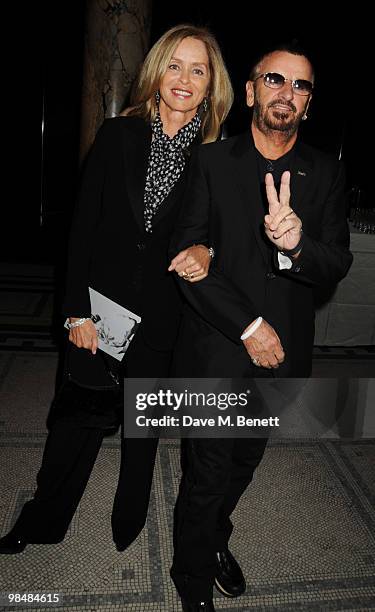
x: 215, y: 298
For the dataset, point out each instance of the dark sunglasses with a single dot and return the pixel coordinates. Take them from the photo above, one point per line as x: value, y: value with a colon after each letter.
x: 274, y: 80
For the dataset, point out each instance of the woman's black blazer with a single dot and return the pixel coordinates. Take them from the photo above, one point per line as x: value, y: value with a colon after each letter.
x: 109, y: 249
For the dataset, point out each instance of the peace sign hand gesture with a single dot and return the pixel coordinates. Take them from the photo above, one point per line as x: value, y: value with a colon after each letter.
x: 282, y: 226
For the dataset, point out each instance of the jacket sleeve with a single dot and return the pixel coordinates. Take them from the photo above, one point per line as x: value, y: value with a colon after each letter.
x: 215, y: 298
x: 86, y: 216
x: 326, y: 261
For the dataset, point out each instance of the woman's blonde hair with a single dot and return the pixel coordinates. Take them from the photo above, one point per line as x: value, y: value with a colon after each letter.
x: 220, y: 97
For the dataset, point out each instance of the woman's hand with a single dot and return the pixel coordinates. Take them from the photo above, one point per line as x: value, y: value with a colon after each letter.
x: 192, y: 264
x: 84, y: 336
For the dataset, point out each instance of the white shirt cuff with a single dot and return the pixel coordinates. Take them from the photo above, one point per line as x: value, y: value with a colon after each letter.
x: 249, y: 332
x: 285, y: 263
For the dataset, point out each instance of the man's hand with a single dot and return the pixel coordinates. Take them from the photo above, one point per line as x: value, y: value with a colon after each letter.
x: 264, y: 346
x: 84, y: 336
x: 192, y: 264
x: 282, y: 225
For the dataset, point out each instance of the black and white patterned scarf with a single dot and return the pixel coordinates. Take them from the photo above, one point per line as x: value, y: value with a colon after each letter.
x: 166, y: 164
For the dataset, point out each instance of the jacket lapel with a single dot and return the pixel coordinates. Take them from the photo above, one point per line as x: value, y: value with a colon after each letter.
x: 246, y: 166
x: 175, y: 194
x: 136, y: 153
x: 301, y: 178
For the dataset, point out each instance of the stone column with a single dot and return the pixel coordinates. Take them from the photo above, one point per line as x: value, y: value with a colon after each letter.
x: 116, y: 41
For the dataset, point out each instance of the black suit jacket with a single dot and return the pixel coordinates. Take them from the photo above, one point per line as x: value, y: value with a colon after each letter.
x: 224, y: 209
x: 109, y: 249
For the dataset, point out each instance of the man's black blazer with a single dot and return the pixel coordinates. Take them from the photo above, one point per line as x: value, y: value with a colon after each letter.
x: 109, y: 249
x: 224, y: 208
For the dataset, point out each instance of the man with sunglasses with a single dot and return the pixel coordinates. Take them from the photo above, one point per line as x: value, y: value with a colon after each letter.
x: 273, y: 209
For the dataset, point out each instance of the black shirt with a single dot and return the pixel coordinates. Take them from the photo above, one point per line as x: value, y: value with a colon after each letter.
x: 275, y: 166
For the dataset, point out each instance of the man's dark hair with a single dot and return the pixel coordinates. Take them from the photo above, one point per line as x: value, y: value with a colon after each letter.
x: 292, y: 47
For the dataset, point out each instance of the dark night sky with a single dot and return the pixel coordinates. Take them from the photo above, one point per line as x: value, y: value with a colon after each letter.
x: 338, y: 49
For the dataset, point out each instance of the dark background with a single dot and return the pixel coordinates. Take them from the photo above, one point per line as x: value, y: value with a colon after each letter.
x: 339, y: 115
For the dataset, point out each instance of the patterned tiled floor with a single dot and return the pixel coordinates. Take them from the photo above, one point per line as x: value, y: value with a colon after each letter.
x: 305, y: 529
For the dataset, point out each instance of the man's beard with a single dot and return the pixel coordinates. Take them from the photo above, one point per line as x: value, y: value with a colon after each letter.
x: 267, y: 119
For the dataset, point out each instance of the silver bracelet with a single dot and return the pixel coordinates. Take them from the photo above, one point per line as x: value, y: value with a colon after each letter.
x: 77, y: 323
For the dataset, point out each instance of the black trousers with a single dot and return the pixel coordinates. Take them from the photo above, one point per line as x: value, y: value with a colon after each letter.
x: 215, y: 471
x: 215, y: 474
x: 69, y: 456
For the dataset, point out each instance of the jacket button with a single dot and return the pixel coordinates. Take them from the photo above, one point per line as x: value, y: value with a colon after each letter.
x: 270, y: 275
x: 141, y: 246
x: 297, y: 269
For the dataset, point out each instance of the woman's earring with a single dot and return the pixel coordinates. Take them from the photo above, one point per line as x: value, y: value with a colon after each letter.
x: 205, y: 105
x: 157, y: 97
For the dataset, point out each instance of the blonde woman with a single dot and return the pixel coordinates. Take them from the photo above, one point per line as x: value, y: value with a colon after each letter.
x: 128, y: 205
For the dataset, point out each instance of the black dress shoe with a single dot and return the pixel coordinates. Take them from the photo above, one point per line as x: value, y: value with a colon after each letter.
x: 11, y: 544
x: 201, y: 606
x: 229, y: 579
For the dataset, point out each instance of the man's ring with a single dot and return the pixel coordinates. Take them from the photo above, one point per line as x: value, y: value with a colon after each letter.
x: 255, y: 361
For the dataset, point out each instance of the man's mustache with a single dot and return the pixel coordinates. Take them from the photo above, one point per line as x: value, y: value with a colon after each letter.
x: 284, y: 103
